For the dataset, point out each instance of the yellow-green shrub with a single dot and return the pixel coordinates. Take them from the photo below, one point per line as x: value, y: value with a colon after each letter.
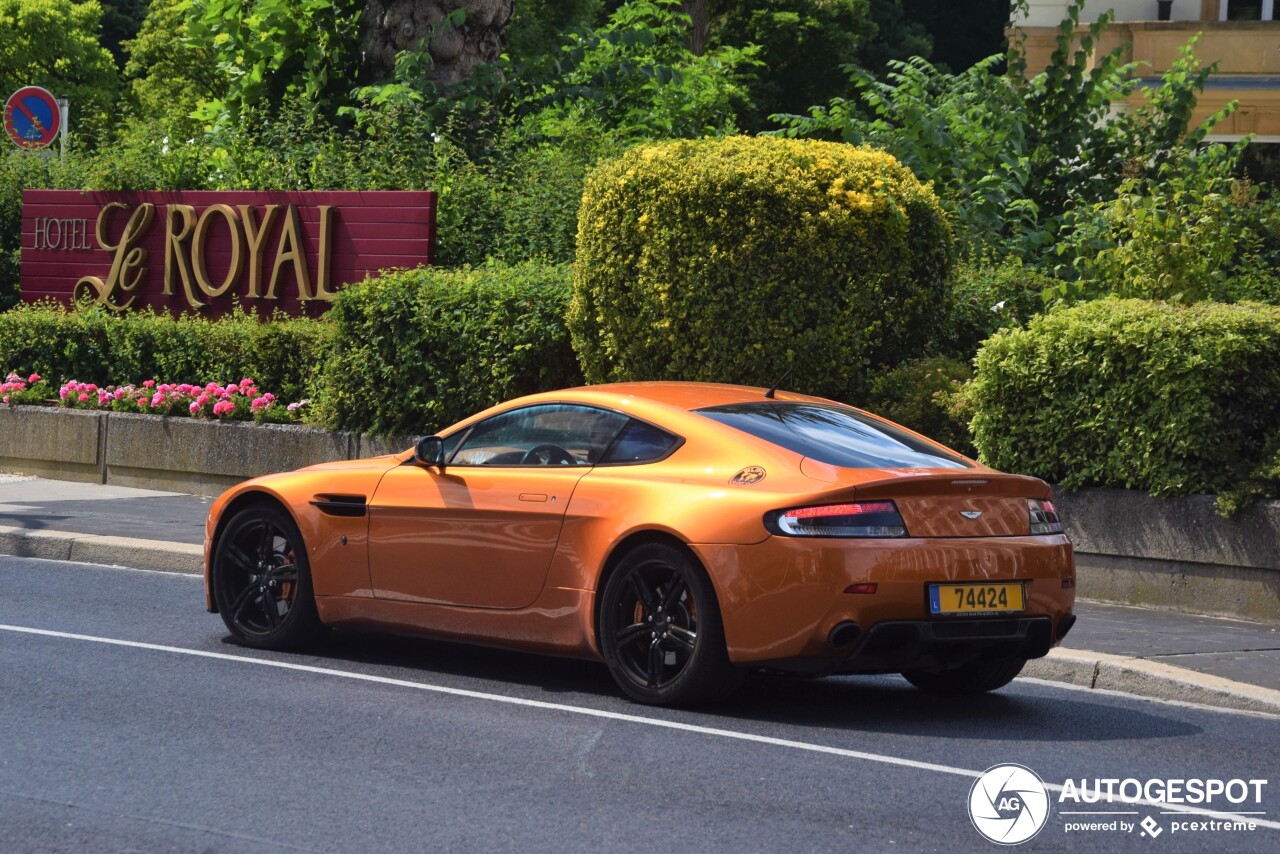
x: 734, y: 259
x: 1129, y: 393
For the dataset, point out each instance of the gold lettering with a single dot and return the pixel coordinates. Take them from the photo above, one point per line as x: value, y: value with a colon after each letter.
x: 41, y: 232
x: 198, y: 261
x: 51, y: 241
x: 326, y: 255
x: 290, y: 235
x: 257, y: 240
x: 176, y: 254
x: 128, y: 266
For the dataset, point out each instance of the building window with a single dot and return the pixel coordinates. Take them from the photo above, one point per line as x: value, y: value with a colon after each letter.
x: 1247, y: 10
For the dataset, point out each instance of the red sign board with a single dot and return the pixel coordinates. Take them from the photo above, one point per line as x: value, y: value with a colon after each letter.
x: 204, y: 251
x: 32, y: 117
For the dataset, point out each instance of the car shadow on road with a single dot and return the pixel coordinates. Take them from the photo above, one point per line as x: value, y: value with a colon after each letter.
x: 883, y: 704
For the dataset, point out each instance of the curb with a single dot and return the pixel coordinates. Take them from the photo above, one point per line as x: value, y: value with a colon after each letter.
x: 1145, y: 678
x: 1082, y: 668
x: 185, y: 558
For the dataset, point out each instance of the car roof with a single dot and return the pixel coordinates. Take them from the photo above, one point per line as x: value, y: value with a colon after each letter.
x: 677, y: 395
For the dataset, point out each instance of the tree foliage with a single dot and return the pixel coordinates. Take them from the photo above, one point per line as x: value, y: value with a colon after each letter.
x: 1010, y: 155
x: 272, y: 50
x: 54, y: 44
x: 636, y: 77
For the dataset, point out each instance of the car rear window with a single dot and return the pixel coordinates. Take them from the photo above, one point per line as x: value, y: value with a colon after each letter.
x: 834, y: 435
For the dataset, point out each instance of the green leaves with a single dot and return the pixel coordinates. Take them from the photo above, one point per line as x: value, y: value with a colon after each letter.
x: 733, y: 259
x: 270, y: 50
x: 1141, y: 395
x: 417, y: 350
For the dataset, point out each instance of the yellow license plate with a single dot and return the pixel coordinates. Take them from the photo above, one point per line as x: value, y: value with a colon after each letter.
x: 975, y: 598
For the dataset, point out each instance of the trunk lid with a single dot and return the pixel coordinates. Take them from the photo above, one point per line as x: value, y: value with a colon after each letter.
x: 945, y: 502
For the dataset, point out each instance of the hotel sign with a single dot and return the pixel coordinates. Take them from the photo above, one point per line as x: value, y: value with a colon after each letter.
x: 204, y: 251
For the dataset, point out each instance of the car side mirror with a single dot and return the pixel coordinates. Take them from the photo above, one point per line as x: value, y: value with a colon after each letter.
x: 430, y: 452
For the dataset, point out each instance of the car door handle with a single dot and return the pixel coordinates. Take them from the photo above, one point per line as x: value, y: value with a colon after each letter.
x: 533, y: 496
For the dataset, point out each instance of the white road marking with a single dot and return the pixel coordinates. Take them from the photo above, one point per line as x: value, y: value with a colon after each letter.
x: 596, y: 713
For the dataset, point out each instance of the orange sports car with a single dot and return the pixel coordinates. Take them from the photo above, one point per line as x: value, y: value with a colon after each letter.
x: 681, y: 532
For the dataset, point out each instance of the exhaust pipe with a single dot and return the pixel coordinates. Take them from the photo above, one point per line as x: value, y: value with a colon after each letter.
x: 1065, y: 624
x: 844, y: 634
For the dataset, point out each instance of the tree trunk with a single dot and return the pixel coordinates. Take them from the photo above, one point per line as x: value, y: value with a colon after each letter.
x: 699, y: 24
x: 391, y: 26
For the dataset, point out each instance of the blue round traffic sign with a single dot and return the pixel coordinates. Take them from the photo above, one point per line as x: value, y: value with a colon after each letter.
x: 32, y: 117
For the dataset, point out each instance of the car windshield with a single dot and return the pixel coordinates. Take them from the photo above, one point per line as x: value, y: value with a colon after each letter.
x: 834, y: 435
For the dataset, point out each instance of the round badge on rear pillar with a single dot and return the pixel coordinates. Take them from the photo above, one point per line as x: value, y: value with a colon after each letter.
x: 748, y: 476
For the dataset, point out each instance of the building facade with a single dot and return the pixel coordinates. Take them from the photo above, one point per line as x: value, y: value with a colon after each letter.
x: 1241, y: 36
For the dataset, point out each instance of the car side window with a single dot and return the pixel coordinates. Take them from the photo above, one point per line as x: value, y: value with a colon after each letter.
x: 639, y: 443
x: 545, y: 435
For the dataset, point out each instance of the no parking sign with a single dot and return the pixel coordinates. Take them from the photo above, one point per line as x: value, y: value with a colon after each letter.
x: 32, y: 117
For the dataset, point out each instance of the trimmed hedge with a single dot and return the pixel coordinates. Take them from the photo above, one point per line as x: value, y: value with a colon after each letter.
x: 1135, y: 394
x: 735, y: 259
x: 417, y: 350
x: 98, y: 346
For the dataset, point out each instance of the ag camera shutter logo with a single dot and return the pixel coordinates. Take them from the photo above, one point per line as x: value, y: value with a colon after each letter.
x: 1009, y: 804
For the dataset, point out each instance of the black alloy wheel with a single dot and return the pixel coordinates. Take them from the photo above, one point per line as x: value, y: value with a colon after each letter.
x: 262, y: 580
x: 660, y: 629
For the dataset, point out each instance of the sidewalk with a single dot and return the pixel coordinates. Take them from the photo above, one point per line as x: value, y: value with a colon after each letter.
x: 1206, y: 660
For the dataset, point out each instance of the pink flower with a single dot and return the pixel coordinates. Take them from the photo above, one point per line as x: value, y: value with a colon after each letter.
x: 34, y: 378
x: 148, y: 383
x: 120, y: 393
x: 62, y: 392
x: 157, y: 399
x: 142, y: 403
x: 83, y: 398
x: 12, y: 377
x: 195, y: 407
x: 223, y: 407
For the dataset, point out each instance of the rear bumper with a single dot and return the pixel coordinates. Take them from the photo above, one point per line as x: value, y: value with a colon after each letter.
x: 894, y: 646
x: 781, y: 600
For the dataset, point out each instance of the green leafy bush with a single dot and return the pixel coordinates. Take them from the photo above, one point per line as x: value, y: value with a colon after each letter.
x: 97, y: 346
x: 736, y: 259
x: 1194, y: 231
x: 416, y: 350
x: 1009, y: 153
x: 987, y: 297
x: 919, y: 394
x: 1141, y: 395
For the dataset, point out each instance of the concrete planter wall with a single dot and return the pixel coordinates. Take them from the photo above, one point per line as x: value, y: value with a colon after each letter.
x: 1176, y: 554
x: 181, y: 454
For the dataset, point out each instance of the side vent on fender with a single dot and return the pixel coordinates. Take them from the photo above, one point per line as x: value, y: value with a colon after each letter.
x: 340, y: 505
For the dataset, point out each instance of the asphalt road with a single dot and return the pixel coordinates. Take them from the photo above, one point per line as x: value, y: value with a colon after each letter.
x: 129, y: 722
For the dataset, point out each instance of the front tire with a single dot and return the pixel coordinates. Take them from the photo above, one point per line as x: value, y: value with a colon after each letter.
x: 660, y: 629
x: 262, y: 580
x: 976, y: 677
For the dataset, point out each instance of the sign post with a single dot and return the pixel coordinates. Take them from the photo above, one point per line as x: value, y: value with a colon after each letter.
x: 32, y: 117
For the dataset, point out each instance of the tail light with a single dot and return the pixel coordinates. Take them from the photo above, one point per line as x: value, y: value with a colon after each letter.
x: 864, y: 519
x: 1043, y: 516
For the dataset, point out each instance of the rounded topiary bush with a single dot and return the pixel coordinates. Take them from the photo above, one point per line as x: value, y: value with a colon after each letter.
x: 736, y: 259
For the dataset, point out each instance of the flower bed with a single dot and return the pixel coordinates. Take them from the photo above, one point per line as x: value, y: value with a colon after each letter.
x: 242, y: 401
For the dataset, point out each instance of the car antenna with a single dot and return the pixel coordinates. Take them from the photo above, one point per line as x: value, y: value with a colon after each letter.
x: 773, y: 392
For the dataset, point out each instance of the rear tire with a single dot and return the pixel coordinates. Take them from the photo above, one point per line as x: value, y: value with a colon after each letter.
x: 262, y: 580
x: 976, y: 677
x: 661, y: 632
